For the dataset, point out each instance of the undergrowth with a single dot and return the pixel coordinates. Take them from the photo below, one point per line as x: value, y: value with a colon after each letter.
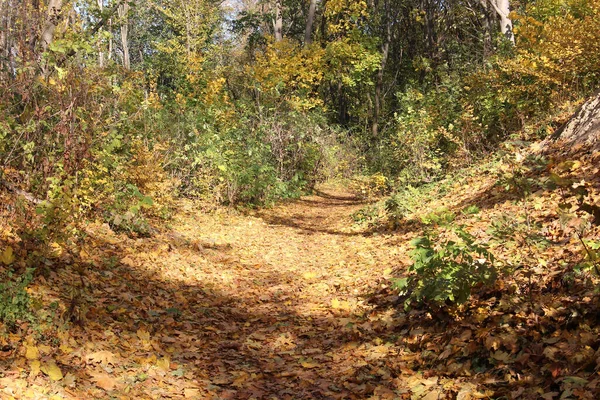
x: 15, y: 301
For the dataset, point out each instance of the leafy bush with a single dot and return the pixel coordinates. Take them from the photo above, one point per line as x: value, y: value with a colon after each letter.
x: 441, y: 216
x: 126, y: 213
x: 447, y: 272
x: 471, y: 210
x: 369, y: 215
x: 591, y: 261
x: 371, y: 185
x: 15, y: 302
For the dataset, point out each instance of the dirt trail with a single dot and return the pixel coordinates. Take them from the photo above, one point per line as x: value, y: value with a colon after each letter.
x: 225, y: 306
x: 287, y: 287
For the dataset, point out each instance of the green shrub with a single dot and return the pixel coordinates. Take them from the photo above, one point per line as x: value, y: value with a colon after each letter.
x: 126, y: 214
x: 441, y: 216
x: 448, y: 272
x: 368, y: 215
x: 15, y: 302
x: 471, y: 210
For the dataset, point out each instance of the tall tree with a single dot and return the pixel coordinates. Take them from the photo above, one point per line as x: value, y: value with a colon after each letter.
x: 100, y: 47
x: 310, y: 19
x: 388, y: 19
x: 53, y: 17
x: 502, y: 9
x: 278, y: 23
x: 124, y: 16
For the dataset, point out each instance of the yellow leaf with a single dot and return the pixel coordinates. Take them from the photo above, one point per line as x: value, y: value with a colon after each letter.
x: 7, y: 257
x: 35, y: 368
x: 52, y: 370
x: 335, y: 303
x: 576, y: 165
x: 143, y: 334
x: 164, y: 364
x: 32, y: 353
x: 309, y: 275
x: 150, y: 360
x: 45, y: 349
x: 309, y: 364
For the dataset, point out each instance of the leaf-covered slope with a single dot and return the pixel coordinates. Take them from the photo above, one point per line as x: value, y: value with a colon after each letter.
x: 294, y: 302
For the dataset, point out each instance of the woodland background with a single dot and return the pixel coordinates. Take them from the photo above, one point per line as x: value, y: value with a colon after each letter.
x: 113, y: 113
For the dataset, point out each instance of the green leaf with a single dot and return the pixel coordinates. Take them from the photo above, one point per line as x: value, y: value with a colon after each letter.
x: 400, y: 284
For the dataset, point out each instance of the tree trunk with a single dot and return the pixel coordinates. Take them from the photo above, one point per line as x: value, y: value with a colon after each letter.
x: 323, y: 28
x: 123, y: 12
x: 379, y: 85
x: 309, y: 22
x: 385, y: 51
x: 278, y: 24
x: 53, y: 16
x: 582, y: 131
x: 110, y: 41
x: 100, y: 51
x: 502, y: 9
x: 488, y: 23
x: 506, y: 26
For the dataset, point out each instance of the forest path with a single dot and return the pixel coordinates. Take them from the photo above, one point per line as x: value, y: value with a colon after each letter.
x: 227, y: 305
x: 289, y: 284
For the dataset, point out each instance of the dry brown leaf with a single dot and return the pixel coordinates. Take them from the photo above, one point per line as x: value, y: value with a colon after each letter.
x: 104, y: 381
x: 191, y: 393
x: 164, y: 364
x: 104, y: 356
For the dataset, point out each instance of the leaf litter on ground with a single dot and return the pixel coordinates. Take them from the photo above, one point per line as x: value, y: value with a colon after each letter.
x: 272, y: 304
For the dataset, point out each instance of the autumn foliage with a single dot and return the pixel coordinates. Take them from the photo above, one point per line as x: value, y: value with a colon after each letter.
x: 297, y: 199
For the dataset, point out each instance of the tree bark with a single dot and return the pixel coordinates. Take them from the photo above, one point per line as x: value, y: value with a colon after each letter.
x: 110, y: 41
x: 53, y: 17
x: 385, y: 52
x: 488, y: 23
x: 502, y: 9
x: 309, y: 22
x: 123, y: 15
x: 506, y: 26
x: 278, y: 23
x: 100, y: 51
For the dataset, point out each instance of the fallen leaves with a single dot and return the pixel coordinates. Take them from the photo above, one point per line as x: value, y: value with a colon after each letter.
x: 52, y: 370
x: 35, y: 368
x: 309, y: 364
x: 280, y: 313
x: 164, y: 364
x: 7, y: 257
x: 31, y: 352
x: 104, y: 357
x: 104, y: 381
